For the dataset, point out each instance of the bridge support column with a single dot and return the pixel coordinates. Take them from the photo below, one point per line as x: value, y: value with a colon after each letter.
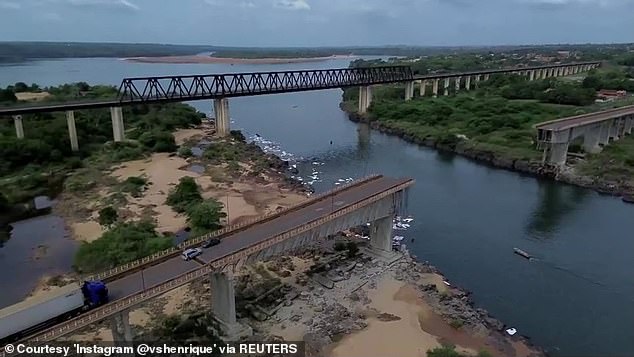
x: 381, y: 240
x: 221, y: 111
x: 555, y: 154
x: 604, y: 136
x: 423, y: 87
x: 591, y: 139
x: 118, y: 130
x: 629, y: 122
x: 457, y: 81
x: 223, y: 305
x: 477, y: 81
x: 365, y: 99
x: 467, y: 84
x: 435, y: 88
x: 446, y: 87
x: 72, y: 130
x: 531, y: 75
x: 409, y: 90
x: 121, y: 330
x: 543, y: 72
x: 614, y: 129
x: 486, y: 77
x: 19, y: 129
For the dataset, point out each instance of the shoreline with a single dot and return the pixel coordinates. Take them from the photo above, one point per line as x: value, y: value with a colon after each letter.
x: 531, y: 168
x: 229, y: 60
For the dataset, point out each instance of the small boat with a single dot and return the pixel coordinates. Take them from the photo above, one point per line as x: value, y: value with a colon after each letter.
x: 522, y: 253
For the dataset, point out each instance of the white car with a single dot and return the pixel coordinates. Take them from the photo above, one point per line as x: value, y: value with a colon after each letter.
x: 191, y: 253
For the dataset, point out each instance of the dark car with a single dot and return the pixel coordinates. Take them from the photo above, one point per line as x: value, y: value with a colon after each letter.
x: 211, y: 242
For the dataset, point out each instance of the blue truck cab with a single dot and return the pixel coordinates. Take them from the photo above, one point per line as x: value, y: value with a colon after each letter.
x: 95, y: 293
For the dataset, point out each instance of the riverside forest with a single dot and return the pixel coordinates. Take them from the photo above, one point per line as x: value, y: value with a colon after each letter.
x: 104, y: 182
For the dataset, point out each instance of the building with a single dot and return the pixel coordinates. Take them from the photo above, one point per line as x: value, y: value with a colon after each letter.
x: 610, y: 94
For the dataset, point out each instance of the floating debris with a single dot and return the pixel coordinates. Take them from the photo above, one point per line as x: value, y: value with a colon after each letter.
x: 511, y: 331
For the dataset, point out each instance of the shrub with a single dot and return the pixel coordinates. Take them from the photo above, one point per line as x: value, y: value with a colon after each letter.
x: 184, y: 195
x: 108, y: 216
x: 206, y: 215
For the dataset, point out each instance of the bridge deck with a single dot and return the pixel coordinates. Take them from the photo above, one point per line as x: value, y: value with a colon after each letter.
x: 585, y: 119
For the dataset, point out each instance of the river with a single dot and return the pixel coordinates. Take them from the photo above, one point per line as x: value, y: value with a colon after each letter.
x: 576, y: 299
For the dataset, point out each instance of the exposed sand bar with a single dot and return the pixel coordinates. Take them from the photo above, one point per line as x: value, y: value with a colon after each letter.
x: 209, y: 59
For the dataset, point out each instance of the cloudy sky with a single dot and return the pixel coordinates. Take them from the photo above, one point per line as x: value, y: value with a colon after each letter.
x: 319, y: 22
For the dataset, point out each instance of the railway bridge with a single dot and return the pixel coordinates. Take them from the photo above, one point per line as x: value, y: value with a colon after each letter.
x: 375, y: 199
x: 221, y: 87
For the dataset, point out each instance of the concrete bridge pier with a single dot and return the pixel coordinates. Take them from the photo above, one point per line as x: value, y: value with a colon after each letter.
x: 446, y: 87
x: 223, y: 306
x: 423, y: 86
x: 72, y: 130
x: 435, y: 88
x: 531, y: 75
x: 486, y: 77
x: 221, y: 111
x: 458, y: 80
x: 467, y: 84
x: 365, y: 99
x: 555, y: 154
x: 19, y: 128
x: 121, y: 330
x: 477, y: 81
x: 629, y: 123
x: 591, y: 139
x: 409, y: 90
x: 118, y: 130
x: 614, y: 129
x: 381, y: 240
x: 604, y: 135
x: 543, y: 72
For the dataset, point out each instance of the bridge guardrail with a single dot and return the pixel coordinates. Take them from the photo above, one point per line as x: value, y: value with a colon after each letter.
x: 171, y: 252
x: 127, y: 302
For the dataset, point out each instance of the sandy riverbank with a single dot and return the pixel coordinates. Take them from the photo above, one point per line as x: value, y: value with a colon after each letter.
x: 209, y: 59
x: 244, y: 197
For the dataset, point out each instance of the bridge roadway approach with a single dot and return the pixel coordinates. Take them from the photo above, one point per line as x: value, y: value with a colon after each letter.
x: 376, y: 199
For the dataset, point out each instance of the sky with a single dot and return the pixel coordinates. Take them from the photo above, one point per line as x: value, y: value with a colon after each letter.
x: 319, y: 22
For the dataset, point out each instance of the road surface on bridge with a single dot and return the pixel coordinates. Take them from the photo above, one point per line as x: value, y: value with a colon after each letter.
x: 138, y: 281
x: 584, y: 119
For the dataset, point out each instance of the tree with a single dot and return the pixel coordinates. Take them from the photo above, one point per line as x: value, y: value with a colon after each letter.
x: 186, y: 193
x: 4, y: 202
x: 108, y: 216
x: 20, y: 87
x: 205, y: 215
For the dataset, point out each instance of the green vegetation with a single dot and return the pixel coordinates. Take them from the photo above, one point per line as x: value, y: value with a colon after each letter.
x: 185, y: 194
x: 450, y: 351
x: 202, y: 215
x: 38, y: 163
x: 108, y: 216
x: 205, y: 216
x: 134, y: 186
x: 185, y: 151
x: 495, y: 121
x: 123, y: 243
x: 614, y: 164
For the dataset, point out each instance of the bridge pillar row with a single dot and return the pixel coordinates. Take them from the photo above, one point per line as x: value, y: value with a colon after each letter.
x: 423, y: 87
x: 72, y: 130
x: 477, y: 81
x: 365, y: 99
x: 118, y: 130
x: 531, y: 75
x: 467, y: 84
x: 120, y: 327
x: 409, y: 90
x: 591, y: 139
x: 435, y: 88
x: 19, y: 128
x: 223, y: 305
x: 458, y: 80
x: 221, y: 111
x: 543, y: 72
x: 446, y: 87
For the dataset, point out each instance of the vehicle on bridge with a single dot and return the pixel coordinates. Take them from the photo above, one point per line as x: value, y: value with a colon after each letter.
x: 33, y: 315
x: 211, y: 242
x: 191, y: 253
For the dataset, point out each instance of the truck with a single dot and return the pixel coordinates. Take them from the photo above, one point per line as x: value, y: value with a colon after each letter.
x: 34, y: 314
